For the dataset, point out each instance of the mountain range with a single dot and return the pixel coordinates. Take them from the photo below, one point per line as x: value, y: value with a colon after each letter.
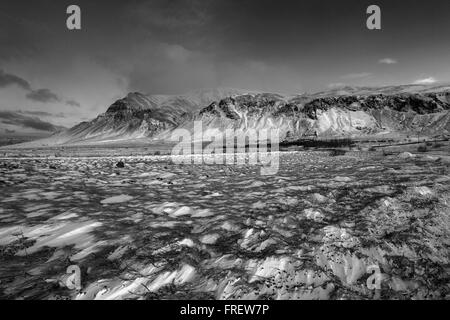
x: 345, y: 111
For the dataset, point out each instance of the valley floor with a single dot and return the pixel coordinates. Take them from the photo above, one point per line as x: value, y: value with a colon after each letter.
x: 159, y: 230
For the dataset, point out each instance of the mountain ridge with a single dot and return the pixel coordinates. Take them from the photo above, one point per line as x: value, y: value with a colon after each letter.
x: 341, y: 111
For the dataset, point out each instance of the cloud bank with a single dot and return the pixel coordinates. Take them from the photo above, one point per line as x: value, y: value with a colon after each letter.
x: 387, y: 61
x: 39, y: 95
x: 429, y: 80
x: 7, y: 80
x: 43, y: 95
x: 17, y: 119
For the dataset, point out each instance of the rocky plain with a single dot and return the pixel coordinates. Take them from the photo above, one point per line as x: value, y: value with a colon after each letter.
x: 143, y: 227
x: 224, y: 150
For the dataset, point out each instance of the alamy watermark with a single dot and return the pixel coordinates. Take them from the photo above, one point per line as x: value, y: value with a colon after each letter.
x: 72, y: 279
x: 73, y: 21
x: 374, y: 20
x: 230, y: 147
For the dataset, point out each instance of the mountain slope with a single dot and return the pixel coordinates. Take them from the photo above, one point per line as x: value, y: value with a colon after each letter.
x: 341, y: 115
x: 139, y: 116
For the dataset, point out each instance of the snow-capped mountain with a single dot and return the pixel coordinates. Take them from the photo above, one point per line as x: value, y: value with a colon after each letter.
x: 346, y: 111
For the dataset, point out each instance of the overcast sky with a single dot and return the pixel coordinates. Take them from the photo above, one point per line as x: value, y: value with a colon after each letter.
x: 173, y: 46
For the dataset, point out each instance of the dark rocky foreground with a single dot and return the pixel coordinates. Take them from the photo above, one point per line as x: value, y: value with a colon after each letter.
x: 156, y: 230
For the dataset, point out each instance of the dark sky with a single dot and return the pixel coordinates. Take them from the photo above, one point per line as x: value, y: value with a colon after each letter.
x: 173, y: 46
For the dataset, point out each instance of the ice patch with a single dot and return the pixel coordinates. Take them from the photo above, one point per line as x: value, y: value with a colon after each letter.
x: 117, y: 199
x: 210, y: 238
x: 186, y: 242
x: 183, y: 211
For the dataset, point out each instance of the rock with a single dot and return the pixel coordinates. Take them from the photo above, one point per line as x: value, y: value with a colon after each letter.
x: 399, y: 284
x: 265, y: 244
x: 117, y: 199
x: 423, y: 191
x: 228, y: 226
x: 339, y: 237
x: 202, y: 213
x: 210, y: 238
x: 285, y: 233
x: 271, y: 267
x: 431, y: 158
x: 256, y: 184
x: 118, y: 253
x: 315, y: 215
x: 290, y: 221
x: 289, y: 201
x: 300, y: 188
x: 258, y: 205
x: 386, y: 189
x: 250, y: 237
x: 181, y: 211
x: 342, y: 179
x: 120, y: 164
x: 187, y: 243
x: 317, y: 197
x: 406, y: 155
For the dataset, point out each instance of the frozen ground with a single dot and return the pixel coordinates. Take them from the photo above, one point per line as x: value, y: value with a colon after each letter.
x: 156, y: 230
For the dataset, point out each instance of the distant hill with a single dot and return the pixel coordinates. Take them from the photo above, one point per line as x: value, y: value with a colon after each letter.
x: 19, y: 127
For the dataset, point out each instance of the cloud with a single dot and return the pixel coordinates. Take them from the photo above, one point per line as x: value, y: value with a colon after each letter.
x: 7, y: 79
x: 42, y: 113
x: 356, y: 75
x: 40, y: 95
x: 178, y: 69
x: 172, y: 15
x: 429, y: 80
x: 36, y: 113
x: 73, y: 103
x: 336, y: 85
x: 387, y: 61
x: 43, y: 95
x: 14, y: 118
